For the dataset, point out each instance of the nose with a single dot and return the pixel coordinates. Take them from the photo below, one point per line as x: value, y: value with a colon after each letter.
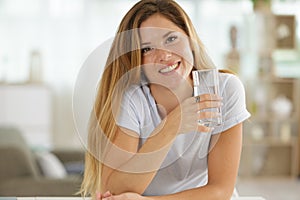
x: 163, y: 55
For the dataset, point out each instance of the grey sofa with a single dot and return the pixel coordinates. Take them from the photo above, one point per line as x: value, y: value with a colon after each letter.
x: 20, y: 174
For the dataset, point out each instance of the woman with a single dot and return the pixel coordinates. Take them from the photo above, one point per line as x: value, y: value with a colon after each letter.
x: 144, y: 139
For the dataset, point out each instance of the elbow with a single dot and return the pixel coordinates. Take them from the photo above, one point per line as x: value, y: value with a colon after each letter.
x: 222, y: 193
x: 124, y: 189
x: 122, y: 186
x: 118, y: 191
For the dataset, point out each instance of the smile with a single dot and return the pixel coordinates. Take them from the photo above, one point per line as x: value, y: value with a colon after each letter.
x: 169, y: 68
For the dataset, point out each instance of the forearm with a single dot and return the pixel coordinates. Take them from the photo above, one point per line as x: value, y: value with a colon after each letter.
x: 141, y: 168
x: 137, y: 173
x: 223, y: 162
x: 208, y: 192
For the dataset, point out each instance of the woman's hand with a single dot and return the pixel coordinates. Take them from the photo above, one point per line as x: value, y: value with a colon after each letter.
x: 126, y: 196
x: 100, y: 196
x: 195, y: 109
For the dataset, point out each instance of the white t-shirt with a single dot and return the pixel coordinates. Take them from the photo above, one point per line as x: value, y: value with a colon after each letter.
x: 185, y: 165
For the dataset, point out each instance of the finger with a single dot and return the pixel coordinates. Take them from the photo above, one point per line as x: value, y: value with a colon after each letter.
x: 204, y: 129
x: 109, y: 198
x: 210, y: 97
x: 106, y: 194
x: 192, y: 100
x: 98, y: 195
x: 208, y: 115
x: 209, y: 104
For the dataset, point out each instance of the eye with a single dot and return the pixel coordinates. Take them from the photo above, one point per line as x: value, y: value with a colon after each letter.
x: 146, y: 50
x: 171, y: 39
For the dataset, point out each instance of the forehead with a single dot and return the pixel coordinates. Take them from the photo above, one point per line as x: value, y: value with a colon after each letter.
x: 157, y: 26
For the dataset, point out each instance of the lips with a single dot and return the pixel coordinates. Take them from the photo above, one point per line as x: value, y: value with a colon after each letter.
x: 169, y: 68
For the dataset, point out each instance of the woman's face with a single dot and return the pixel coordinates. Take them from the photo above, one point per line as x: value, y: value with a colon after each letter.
x: 167, y: 58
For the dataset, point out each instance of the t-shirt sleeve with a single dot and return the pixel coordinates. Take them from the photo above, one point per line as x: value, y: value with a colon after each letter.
x: 128, y: 116
x: 234, y: 109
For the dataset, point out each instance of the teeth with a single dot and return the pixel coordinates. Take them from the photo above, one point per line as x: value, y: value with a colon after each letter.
x: 169, y: 68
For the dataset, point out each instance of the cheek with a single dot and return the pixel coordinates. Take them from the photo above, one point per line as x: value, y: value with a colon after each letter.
x: 148, y: 70
x: 183, y: 50
x: 188, y: 56
x: 148, y: 60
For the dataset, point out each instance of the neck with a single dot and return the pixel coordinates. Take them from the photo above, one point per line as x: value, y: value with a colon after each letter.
x: 167, y: 99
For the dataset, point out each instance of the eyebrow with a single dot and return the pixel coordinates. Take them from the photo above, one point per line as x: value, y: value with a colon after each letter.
x: 164, y: 36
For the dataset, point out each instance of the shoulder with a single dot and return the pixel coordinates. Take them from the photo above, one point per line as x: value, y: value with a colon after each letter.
x: 229, y: 78
x: 136, y: 95
x: 131, y: 104
x: 133, y: 92
x: 231, y: 82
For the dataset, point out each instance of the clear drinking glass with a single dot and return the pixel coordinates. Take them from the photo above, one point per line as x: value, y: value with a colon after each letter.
x: 206, y: 81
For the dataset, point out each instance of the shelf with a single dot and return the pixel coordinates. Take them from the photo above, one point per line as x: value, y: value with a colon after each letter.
x: 271, y: 139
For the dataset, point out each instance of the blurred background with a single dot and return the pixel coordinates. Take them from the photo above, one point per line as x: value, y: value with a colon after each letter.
x: 45, y: 43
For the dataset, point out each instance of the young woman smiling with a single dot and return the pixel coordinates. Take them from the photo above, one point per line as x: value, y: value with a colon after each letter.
x: 144, y: 139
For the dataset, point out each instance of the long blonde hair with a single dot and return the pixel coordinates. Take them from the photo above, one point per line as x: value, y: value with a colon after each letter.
x: 124, y: 56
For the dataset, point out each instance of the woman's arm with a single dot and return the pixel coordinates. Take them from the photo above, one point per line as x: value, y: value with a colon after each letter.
x: 129, y: 169
x: 223, y: 163
x: 134, y: 169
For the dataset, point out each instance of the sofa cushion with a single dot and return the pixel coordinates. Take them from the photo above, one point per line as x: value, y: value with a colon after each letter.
x: 50, y: 165
x: 16, y: 158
